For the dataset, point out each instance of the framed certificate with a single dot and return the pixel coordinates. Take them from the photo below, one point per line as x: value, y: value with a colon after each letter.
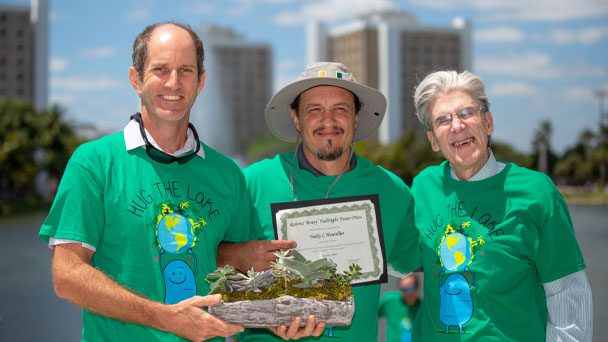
x: 346, y: 230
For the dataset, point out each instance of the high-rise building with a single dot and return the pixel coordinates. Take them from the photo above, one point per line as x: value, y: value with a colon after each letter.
x: 24, y: 52
x: 229, y: 112
x: 392, y: 52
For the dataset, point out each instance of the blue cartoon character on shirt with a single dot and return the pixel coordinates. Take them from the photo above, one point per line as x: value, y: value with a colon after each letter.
x: 456, y: 306
x: 456, y: 254
x: 177, y: 233
x: 180, y: 283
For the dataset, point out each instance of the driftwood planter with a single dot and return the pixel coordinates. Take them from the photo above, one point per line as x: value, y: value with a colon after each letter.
x: 269, y: 313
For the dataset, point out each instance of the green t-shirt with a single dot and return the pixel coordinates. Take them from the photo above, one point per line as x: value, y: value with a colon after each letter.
x: 155, y: 227
x: 399, y: 316
x: 487, y: 247
x: 268, y: 181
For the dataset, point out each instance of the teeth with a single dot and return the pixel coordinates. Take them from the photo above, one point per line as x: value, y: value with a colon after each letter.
x: 171, y: 97
x: 463, y: 142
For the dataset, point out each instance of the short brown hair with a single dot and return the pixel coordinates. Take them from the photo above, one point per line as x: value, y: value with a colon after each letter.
x: 140, y: 46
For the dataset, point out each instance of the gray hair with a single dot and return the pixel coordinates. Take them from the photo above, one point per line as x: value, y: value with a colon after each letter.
x: 445, y: 81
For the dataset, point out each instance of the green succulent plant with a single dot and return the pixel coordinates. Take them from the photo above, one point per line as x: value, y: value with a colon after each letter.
x: 253, y: 281
x: 303, y: 278
x: 354, y: 271
x: 279, y: 268
x: 309, y: 272
x: 222, y: 275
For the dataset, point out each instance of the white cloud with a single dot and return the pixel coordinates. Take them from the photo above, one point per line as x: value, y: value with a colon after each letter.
x: 512, y: 89
x: 57, y: 64
x: 545, y: 10
x: 331, y: 10
x: 201, y: 9
x: 99, y: 52
x: 64, y: 99
x: 286, y: 71
x: 534, y: 65
x: 84, y: 84
x: 503, y: 34
x: 586, y: 36
x: 577, y: 94
x: 55, y: 16
x: 283, y: 79
x: 253, y: 2
x: 138, y: 15
x: 288, y: 65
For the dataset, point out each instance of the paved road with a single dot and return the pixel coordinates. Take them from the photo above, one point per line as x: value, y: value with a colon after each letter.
x: 30, y: 311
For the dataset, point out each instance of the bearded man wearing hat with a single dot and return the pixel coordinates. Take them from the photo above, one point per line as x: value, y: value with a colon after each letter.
x: 327, y: 111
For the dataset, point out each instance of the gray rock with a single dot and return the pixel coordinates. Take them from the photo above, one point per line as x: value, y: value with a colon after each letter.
x: 270, y: 313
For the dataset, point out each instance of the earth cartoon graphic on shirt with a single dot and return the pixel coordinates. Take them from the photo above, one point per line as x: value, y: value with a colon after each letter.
x: 177, y: 232
x: 456, y: 252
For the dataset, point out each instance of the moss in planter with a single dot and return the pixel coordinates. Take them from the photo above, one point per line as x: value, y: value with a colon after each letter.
x: 330, y: 289
x: 290, y: 276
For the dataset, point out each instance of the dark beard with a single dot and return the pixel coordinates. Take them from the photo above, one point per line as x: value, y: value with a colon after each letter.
x: 329, y: 153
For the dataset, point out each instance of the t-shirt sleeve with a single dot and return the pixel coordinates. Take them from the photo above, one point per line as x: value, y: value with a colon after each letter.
x: 558, y: 251
x: 254, y: 189
x: 241, y: 228
x: 382, y: 305
x: 406, y: 254
x: 77, y: 212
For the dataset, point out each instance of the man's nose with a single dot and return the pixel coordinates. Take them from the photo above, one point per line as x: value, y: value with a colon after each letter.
x: 456, y: 124
x: 328, y: 115
x: 173, y: 80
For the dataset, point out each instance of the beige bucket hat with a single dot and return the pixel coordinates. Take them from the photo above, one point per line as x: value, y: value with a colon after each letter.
x: 278, y: 114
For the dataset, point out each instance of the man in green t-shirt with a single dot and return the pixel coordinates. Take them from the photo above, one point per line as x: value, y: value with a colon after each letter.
x: 329, y: 111
x: 139, y: 214
x: 399, y: 308
x: 501, y: 261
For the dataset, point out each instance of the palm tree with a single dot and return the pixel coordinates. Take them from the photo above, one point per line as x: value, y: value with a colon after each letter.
x: 542, y: 146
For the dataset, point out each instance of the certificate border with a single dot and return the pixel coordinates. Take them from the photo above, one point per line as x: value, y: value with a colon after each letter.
x: 276, y: 207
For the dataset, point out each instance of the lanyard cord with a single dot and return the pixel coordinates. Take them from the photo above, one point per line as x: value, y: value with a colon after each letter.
x: 295, y: 153
x: 352, y: 149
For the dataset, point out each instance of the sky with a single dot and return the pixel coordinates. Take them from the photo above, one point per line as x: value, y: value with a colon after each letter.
x: 540, y: 59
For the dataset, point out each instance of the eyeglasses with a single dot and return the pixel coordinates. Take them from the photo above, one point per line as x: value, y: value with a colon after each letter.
x: 409, y: 288
x: 465, y: 114
x: 161, y: 156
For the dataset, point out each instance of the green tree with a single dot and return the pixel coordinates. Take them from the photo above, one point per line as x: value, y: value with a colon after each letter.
x: 544, y: 158
x: 265, y: 146
x: 576, y: 167
x: 503, y: 151
x: 30, y: 143
x: 406, y: 157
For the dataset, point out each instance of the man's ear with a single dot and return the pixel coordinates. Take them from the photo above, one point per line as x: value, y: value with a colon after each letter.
x: 296, y: 120
x: 433, y: 141
x: 489, y: 122
x: 201, y: 82
x: 135, y: 79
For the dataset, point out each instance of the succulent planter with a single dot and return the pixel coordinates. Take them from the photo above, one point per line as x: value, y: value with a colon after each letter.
x: 268, y: 313
x: 294, y: 287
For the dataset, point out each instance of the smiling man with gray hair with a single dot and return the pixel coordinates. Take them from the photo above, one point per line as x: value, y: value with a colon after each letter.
x: 499, y: 252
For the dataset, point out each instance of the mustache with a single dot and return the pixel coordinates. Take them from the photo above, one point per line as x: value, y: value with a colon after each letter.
x: 333, y: 128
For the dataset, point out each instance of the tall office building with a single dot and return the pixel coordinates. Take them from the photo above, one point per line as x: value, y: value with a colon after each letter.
x: 392, y: 52
x: 24, y: 52
x: 229, y: 113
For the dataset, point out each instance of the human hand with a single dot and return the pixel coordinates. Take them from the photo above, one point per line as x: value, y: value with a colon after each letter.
x: 189, y: 320
x: 254, y: 253
x: 295, y: 332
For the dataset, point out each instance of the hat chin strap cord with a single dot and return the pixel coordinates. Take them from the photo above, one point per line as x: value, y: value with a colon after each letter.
x: 352, y: 150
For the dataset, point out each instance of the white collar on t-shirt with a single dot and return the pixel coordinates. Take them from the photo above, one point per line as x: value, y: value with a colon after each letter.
x: 492, y: 168
x: 133, y: 139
